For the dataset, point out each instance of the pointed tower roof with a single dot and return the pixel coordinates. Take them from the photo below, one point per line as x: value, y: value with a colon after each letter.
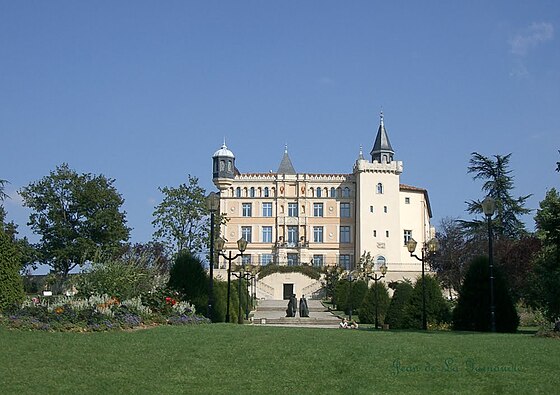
x: 286, y: 166
x: 382, y: 145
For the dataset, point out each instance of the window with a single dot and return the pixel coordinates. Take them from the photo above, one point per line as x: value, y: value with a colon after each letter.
x: 385, y: 209
x: 380, y: 260
x: 345, y: 234
x: 237, y: 192
x: 267, y: 234
x: 318, y: 194
x: 345, y: 210
x: 292, y: 236
x: 346, y: 192
x: 333, y: 192
x: 252, y: 192
x: 386, y: 233
x: 293, y: 259
x: 317, y: 209
x: 344, y: 261
x: 374, y: 233
x: 247, y: 209
x: 406, y: 200
x: 246, y: 233
x: 407, y: 236
x: 292, y: 210
x: 379, y: 188
x: 266, y: 192
x: 267, y: 209
x: 267, y: 259
x: 246, y: 259
x: 371, y: 209
x: 317, y: 234
x: 317, y: 260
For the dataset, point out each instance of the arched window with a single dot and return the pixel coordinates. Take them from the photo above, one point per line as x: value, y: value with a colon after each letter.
x: 346, y: 192
x: 318, y: 192
x: 265, y: 191
x: 333, y: 192
x: 252, y: 192
x: 380, y: 260
x: 238, y: 192
x: 379, y: 188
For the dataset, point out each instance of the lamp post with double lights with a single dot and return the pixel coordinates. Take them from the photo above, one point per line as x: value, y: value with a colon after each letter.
x: 428, y: 249
x: 488, y: 207
x: 251, y: 275
x: 241, y: 246
x: 367, y: 264
x: 213, y: 204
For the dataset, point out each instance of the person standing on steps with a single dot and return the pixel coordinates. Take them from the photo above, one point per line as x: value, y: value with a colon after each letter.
x: 303, y: 308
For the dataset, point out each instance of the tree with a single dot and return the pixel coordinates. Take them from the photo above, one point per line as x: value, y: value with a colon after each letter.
x: 545, y: 281
x: 473, y: 312
x: 437, y: 311
x: 382, y: 300
x: 451, y: 260
x: 11, y: 284
x: 188, y: 277
x: 181, y: 219
x: 498, y: 183
x: 395, y: 316
x: 76, y: 215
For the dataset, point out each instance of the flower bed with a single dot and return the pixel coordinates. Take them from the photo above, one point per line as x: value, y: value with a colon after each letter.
x: 97, y: 313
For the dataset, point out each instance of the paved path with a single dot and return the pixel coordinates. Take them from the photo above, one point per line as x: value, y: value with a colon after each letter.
x: 273, y: 312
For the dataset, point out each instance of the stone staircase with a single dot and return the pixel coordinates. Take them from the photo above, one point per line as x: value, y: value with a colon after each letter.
x: 273, y: 312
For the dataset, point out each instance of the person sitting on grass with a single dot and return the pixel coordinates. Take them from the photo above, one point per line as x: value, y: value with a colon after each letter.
x: 353, y: 325
x: 343, y: 324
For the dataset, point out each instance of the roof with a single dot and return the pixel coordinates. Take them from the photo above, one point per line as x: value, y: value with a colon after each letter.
x: 382, y: 143
x: 223, y: 152
x: 286, y: 166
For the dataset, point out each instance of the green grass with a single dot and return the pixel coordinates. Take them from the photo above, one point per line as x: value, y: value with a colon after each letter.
x: 231, y: 359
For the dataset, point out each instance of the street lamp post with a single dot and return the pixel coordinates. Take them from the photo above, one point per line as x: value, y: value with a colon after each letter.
x: 428, y: 248
x: 239, y: 276
x: 489, y: 206
x: 213, y: 204
x: 351, y: 276
x: 241, y: 246
x: 368, y: 267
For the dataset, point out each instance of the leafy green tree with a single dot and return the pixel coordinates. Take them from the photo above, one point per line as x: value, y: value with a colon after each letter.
x: 188, y: 277
x: 437, y: 310
x: 181, y: 219
x: 473, y: 312
x: 395, y: 316
x: 76, y: 216
x: 11, y: 284
x: 349, y: 295
x: 382, y: 300
x: 498, y: 183
x: 545, y: 281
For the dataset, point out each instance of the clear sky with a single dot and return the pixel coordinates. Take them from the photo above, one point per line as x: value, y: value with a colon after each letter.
x: 145, y: 92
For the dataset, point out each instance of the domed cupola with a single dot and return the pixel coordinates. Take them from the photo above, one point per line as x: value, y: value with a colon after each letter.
x: 223, y: 164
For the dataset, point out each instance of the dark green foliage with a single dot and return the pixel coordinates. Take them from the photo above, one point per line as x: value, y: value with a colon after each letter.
x: 188, y: 277
x: 395, y: 317
x: 309, y: 271
x: 498, y: 183
x: 220, y: 301
x: 11, y: 284
x: 473, y: 306
x: 545, y: 280
x: 76, y: 215
x: 437, y: 310
x: 350, y: 295
x: 367, y: 309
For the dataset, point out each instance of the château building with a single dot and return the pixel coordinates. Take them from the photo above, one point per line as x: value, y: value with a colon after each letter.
x: 292, y: 218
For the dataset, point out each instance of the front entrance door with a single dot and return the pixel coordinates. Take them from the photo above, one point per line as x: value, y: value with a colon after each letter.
x: 288, y: 291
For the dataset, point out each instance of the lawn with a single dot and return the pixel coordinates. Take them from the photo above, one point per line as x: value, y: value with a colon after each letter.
x: 232, y: 359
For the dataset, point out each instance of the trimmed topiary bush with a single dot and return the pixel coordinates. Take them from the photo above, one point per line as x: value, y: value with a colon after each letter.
x: 396, y: 318
x: 11, y: 284
x: 188, y: 277
x: 367, y: 310
x: 437, y: 310
x: 350, y: 294
x: 473, y: 305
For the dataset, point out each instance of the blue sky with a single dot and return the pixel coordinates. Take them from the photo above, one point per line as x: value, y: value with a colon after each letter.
x: 144, y: 92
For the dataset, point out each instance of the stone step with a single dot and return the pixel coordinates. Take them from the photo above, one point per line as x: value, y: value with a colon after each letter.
x: 298, y: 321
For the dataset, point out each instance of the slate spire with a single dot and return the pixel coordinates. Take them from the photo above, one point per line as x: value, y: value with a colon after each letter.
x: 382, y: 150
x: 286, y: 166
